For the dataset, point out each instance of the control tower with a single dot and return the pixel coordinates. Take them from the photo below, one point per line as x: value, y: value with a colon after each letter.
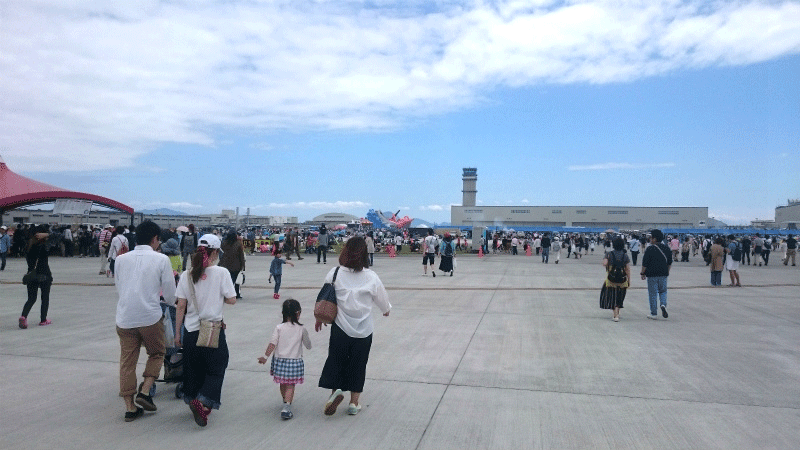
x: 470, y: 178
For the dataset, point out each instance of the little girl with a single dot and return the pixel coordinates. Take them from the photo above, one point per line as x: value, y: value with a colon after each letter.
x: 276, y: 271
x: 287, y: 367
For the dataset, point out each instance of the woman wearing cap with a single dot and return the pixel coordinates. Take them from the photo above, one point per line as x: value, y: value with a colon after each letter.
x: 200, y: 295
x: 42, y: 279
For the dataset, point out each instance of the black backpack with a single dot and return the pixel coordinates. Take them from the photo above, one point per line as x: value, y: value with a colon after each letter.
x: 737, y: 253
x: 448, y: 248
x: 616, y: 272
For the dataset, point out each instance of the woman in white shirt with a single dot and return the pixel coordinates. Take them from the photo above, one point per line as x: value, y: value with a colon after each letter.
x: 204, y: 367
x: 119, y: 245
x: 357, y: 289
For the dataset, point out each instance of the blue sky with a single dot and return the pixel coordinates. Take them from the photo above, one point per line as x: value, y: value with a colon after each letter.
x: 305, y: 107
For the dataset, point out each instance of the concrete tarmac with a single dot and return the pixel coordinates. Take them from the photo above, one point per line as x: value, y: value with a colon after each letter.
x: 509, y: 353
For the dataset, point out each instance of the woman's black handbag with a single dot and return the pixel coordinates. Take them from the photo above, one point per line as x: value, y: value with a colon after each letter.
x: 31, y: 276
x: 325, y: 308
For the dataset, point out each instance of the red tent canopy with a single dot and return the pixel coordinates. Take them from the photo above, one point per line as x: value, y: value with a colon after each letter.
x: 17, y: 191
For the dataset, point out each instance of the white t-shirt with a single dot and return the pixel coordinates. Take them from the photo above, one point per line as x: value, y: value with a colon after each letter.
x: 356, y: 292
x: 398, y: 240
x: 289, y: 339
x: 116, y: 245
x: 211, y: 294
x: 430, y: 244
x: 140, y: 275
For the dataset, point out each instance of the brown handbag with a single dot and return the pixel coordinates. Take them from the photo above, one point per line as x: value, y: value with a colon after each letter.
x: 325, y: 309
x: 209, y: 329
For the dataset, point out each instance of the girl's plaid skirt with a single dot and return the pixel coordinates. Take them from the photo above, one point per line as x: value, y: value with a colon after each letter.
x: 287, y: 371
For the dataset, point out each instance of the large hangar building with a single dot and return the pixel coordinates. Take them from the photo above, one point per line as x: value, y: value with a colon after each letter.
x: 545, y: 217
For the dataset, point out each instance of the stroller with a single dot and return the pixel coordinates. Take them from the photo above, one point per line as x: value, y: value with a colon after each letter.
x: 173, y: 357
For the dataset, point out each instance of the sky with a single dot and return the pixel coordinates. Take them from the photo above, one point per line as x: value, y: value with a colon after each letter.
x: 299, y: 108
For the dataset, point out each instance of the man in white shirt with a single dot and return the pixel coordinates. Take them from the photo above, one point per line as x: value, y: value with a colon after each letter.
x: 635, y: 245
x: 68, y: 242
x: 429, y: 252
x: 141, y: 275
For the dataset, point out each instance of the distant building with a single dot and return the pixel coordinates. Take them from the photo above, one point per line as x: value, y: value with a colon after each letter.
x: 332, y: 219
x: 767, y: 224
x: 526, y: 216
x: 788, y: 216
x: 227, y: 218
x: 470, y: 179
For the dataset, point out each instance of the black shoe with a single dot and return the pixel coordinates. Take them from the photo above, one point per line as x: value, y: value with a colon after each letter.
x: 664, y: 311
x: 145, y: 401
x: 131, y: 416
x: 433, y: 273
x: 451, y: 273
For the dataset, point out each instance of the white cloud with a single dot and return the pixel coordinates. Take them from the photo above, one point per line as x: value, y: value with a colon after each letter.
x: 87, y: 79
x: 263, y: 146
x: 730, y: 219
x: 431, y: 208
x: 525, y: 200
x: 139, y: 205
x: 615, y: 166
x: 332, y: 206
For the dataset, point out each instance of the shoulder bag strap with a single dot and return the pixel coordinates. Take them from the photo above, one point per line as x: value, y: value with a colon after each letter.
x: 193, y: 294
x: 335, y: 272
x: 662, y: 253
x: 38, y: 256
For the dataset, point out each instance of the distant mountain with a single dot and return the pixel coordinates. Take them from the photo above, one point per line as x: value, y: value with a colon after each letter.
x: 714, y: 223
x: 163, y: 212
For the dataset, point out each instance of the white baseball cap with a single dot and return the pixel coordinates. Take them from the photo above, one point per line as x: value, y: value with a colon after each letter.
x: 209, y: 241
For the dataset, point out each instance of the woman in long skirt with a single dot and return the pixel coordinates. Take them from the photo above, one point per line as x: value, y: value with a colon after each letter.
x: 612, y: 294
x: 447, y: 253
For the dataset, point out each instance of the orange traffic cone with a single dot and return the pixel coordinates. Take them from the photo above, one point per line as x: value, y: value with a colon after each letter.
x: 480, y: 252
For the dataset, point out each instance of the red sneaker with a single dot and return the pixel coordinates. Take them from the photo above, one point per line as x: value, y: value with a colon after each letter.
x: 45, y: 323
x: 200, y: 412
x: 23, y: 322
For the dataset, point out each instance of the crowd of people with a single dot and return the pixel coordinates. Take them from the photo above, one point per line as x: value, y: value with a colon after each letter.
x: 146, y: 284
x: 197, y: 272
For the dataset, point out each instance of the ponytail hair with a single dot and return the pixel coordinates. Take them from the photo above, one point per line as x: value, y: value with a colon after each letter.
x: 200, y: 260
